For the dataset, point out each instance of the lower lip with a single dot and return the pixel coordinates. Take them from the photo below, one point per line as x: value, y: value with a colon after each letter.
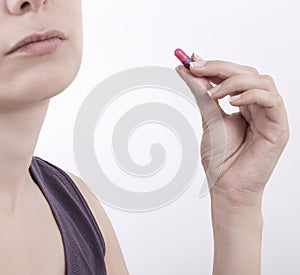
x: 39, y: 48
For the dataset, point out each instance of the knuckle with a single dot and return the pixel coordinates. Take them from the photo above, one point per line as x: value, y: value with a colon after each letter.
x: 251, y: 70
x: 268, y: 79
x: 284, y: 137
x: 277, y: 100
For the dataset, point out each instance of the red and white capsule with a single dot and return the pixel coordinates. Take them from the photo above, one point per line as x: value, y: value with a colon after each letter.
x: 183, y: 57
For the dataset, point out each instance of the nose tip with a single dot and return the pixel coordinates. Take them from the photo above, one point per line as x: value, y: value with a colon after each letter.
x: 18, y: 7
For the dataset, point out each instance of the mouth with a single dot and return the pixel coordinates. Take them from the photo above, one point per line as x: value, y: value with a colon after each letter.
x: 36, y: 44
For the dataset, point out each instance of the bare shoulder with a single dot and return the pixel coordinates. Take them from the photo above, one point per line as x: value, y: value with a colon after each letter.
x: 114, y: 259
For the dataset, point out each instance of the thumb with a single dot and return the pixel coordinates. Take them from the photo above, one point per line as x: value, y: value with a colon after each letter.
x: 213, y: 144
x: 210, y: 109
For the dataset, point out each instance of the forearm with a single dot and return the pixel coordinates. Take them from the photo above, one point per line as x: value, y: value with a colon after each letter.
x: 237, y: 238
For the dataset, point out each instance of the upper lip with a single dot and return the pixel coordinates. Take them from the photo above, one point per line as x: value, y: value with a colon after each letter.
x: 37, y: 37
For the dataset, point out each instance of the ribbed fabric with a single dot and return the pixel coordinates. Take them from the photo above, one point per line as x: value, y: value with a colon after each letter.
x: 84, y: 245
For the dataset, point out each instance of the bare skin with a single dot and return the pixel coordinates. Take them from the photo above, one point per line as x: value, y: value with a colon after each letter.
x: 30, y: 241
x: 255, y: 139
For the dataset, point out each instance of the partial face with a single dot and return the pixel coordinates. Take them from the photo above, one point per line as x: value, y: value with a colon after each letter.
x: 41, y: 69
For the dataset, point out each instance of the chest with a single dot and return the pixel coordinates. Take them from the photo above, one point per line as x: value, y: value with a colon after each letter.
x: 31, y: 243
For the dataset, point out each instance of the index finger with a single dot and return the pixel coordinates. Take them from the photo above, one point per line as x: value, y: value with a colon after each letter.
x: 219, y: 69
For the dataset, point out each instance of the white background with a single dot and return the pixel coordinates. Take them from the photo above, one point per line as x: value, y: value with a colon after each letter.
x: 177, y: 239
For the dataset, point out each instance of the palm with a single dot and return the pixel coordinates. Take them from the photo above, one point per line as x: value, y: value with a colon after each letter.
x: 248, y: 140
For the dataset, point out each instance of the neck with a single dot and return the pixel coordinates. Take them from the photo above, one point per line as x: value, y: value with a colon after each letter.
x: 19, y: 131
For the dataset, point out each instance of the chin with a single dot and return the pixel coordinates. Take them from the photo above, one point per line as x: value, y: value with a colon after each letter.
x: 39, y: 78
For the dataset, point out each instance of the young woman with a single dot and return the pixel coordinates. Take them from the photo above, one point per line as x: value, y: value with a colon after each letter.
x: 50, y: 222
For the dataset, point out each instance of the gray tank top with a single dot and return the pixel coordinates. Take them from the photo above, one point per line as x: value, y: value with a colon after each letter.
x: 84, y: 246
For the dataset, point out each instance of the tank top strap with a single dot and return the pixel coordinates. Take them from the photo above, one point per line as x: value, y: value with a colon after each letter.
x: 83, y: 241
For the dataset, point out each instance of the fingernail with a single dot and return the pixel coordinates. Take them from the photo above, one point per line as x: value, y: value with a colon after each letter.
x: 234, y: 98
x: 215, y: 89
x: 197, y: 64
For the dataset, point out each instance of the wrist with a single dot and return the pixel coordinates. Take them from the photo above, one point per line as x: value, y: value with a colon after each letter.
x: 236, y: 208
x: 237, y: 238
x: 237, y: 218
x: 237, y: 231
x: 236, y: 196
